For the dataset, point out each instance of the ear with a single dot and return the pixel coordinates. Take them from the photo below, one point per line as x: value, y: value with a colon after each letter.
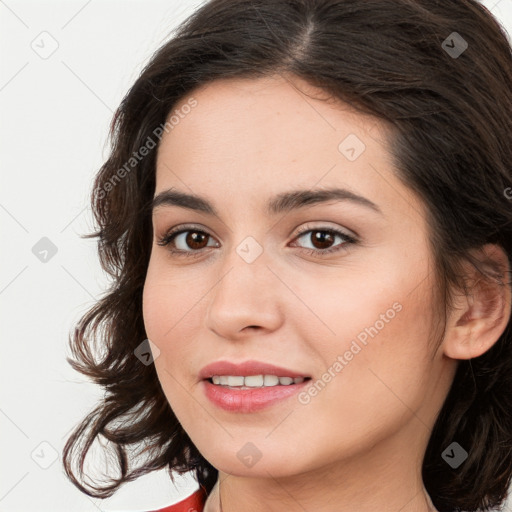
x: 477, y: 321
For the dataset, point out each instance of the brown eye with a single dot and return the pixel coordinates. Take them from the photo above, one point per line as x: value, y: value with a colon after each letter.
x: 322, y: 240
x: 186, y: 241
x: 195, y: 239
x: 190, y: 241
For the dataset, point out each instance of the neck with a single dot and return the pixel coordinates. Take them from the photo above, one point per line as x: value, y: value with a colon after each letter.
x: 385, y: 474
x: 223, y: 500
x: 364, y: 483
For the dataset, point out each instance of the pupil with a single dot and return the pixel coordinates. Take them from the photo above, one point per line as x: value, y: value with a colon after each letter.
x: 321, y: 236
x: 193, y: 237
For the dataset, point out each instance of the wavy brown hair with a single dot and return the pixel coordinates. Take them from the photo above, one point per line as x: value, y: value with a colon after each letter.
x: 451, y: 121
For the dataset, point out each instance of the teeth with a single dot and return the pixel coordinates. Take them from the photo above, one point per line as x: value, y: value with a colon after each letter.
x: 255, y: 381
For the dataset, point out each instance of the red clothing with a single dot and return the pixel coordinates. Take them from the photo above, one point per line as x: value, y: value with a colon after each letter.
x: 194, y: 503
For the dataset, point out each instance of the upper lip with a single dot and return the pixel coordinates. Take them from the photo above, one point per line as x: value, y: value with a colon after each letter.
x: 246, y: 368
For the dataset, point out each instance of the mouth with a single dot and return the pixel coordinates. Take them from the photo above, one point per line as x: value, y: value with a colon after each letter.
x: 241, y: 382
x: 251, y: 370
x: 261, y: 393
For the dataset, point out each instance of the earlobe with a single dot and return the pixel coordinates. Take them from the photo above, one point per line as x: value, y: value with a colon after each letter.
x: 479, y: 319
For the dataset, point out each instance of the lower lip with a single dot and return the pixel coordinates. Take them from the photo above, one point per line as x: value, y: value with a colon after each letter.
x: 250, y: 400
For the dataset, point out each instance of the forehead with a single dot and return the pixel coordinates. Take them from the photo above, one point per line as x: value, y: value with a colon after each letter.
x: 271, y: 134
x: 274, y: 112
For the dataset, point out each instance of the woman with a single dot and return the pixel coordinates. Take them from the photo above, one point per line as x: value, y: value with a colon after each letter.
x: 307, y: 217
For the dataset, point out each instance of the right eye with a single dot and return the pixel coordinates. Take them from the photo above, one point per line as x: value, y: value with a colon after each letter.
x: 185, y: 236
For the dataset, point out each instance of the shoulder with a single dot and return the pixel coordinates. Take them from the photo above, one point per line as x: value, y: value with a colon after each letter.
x: 193, y: 503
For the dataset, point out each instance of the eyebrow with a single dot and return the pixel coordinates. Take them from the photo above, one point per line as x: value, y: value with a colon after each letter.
x: 281, y: 203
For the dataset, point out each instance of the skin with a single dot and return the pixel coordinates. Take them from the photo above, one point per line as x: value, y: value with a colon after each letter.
x: 358, y: 445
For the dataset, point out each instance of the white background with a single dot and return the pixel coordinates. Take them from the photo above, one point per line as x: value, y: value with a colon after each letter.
x: 55, y: 115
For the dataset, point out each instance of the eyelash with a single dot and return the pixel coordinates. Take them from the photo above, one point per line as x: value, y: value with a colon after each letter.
x: 170, y: 235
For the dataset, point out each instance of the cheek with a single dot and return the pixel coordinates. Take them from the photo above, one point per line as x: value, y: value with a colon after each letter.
x: 161, y: 311
x: 165, y: 319
x: 154, y: 305
x: 380, y: 362
x: 166, y: 299
x: 373, y: 340
x: 172, y: 308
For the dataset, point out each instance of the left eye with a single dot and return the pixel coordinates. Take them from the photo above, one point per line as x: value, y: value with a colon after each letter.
x: 323, y: 237
x: 193, y: 238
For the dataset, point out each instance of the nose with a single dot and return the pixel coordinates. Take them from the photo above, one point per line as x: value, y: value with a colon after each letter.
x: 246, y: 297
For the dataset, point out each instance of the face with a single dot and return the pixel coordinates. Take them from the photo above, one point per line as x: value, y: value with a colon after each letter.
x: 338, y: 290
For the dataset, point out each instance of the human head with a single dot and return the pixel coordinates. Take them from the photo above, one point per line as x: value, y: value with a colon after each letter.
x: 449, y: 141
